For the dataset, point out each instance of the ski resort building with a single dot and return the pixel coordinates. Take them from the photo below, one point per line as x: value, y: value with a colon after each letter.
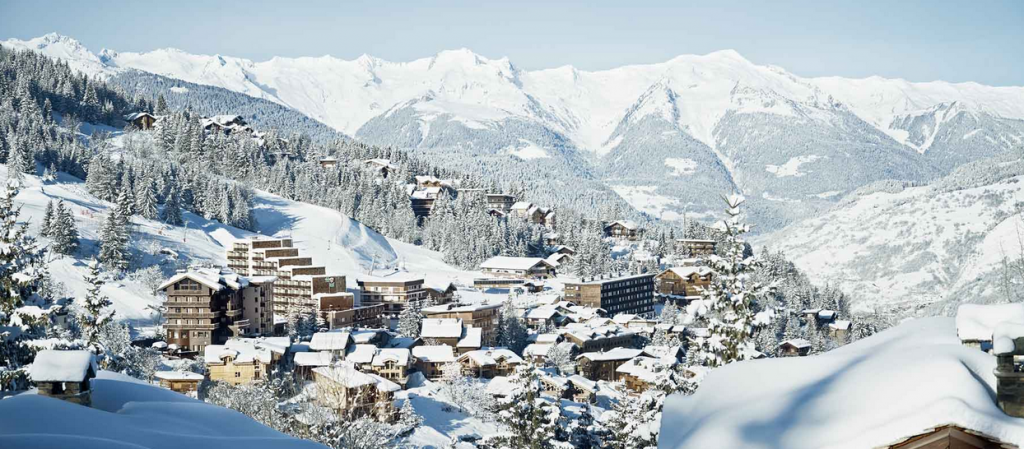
x: 383, y: 166
x: 622, y: 229
x: 141, y: 120
x: 394, y: 292
x: 696, y: 247
x: 244, y: 360
x: 602, y: 365
x: 481, y: 316
x: 346, y: 389
x: 615, y: 294
x: 683, y: 282
x: 490, y: 362
x: 208, y: 306
x: 517, y: 268
x: 543, y: 216
x: 500, y: 202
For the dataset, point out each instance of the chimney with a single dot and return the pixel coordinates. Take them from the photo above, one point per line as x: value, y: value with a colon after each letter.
x: 1008, y: 341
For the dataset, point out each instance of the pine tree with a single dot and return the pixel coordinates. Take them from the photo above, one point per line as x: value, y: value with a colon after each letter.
x: 409, y: 321
x: 531, y: 421
x: 22, y: 273
x: 47, y: 220
x: 114, y: 237
x: 145, y: 199
x: 94, y: 318
x: 65, y: 232
x: 161, y: 105
x: 171, y: 213
x: 729, y: 306
x: 408, y: 420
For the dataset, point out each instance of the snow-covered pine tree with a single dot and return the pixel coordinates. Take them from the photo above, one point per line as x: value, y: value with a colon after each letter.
x: 44, y: 230
x: 408, y: 419
x: 171, y: 213
x: 409, y: 321
x: 145, y: 198
x: 64, y: 231
x: 560, y: 357
x: 530, y: 420
x: 21, y: 274
x: 729, y: 306
x: 114, y: 237
x: 511, y: 330
x: 93, y: 316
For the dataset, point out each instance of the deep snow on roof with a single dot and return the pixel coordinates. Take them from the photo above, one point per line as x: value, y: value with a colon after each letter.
x: 511, y: 263
x: 977, y: 321
x: 62, y: 366
x: 872, y: 392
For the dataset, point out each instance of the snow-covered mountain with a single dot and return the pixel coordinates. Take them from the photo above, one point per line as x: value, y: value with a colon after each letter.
x: 929, y: 247
x: 668, y: 136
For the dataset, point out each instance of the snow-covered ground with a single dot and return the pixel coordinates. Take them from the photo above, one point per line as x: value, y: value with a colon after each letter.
x: 127, y: 413
x: 873, y: 392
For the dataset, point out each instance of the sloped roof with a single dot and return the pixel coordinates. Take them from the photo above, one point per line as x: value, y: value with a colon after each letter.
x: 512, y: 263
x: 614, y: 354
x: 434, y: 354
x: 441, y: 328
x: 346, y: 374
x: 471, y: 338
x: 329, y: 341
x: 491, y: 356
x: 398, y: 355
x: 313, y: 359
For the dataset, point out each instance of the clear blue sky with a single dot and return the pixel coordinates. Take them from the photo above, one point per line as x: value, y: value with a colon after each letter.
x: 916, y: 40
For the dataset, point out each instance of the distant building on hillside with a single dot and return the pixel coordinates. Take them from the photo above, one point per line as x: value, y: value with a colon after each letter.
x: 141, y: 120
x: 384, y: 167
x: 482, y: 316
x: 329, y: 162
x: 683, y: 281
x: 696, y: 247
x: 622, y: 229
x: 395, y: 292
x: 500, y: 202
x: 517, y: 268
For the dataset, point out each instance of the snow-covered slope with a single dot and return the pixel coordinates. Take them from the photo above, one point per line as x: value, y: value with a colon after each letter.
x: 344, y: 246
x: 874, y: 392
x: 938, y: 244
x: 127, y: 413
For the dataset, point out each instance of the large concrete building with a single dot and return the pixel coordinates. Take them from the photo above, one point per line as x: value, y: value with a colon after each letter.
x: 615, y: 294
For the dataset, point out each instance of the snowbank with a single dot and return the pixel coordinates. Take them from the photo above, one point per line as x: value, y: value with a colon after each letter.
x: 977, y: 321
x: 127, y: 413
x: 870, y: 393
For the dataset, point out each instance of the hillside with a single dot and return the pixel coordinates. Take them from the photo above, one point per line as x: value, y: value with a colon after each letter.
x: 929, y: 246
x: 341, y: 244
x: 669, y: 137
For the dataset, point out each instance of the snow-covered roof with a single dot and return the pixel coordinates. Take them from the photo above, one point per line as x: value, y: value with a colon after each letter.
x: 975, y: 322
x: 512, y: 263
x: 827, y: 314
x: 247, y: 350
x: 441, y: 328
x: 687, y: 271
x: 643, y: 367
x: 364, y: 336
x: 542, y: 313
x: 398, y: 355
x: 346, y: 374
x: 136, y: 115
x: 178, y: 375
x: 798, y: 343
x: 491, y: 356
x: 313, y: 358
x: 212, y: 278
x: 361, y: 354
x: 870, y: 393
x: 537, y: 349
x: 624, y: 223
x: 62, y: 366
x: 522, y: 205
x: 613, y: 354
x: 583, y: 383
x: 841, y: 325
x: 434, y: 354
x: 456, y: 307
x: 471, y: 338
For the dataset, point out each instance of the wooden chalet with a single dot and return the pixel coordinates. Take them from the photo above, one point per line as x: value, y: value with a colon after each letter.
x: 622, y: 229
x: 141, y: 120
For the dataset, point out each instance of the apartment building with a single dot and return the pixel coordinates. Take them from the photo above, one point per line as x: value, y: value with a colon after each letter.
x: 615, y: 294
x: 210, y: 305
x: 394, y: 292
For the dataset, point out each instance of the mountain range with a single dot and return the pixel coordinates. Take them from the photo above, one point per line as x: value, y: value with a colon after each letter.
x: 668, y: 137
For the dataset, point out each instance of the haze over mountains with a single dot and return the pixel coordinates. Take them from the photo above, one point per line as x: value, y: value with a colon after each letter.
x: 669, y: 137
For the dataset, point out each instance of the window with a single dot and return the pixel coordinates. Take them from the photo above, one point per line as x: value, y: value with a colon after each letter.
x: 238, y: 374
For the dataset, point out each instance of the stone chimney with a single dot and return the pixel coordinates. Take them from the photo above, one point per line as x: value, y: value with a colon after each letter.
x: 1008, y: 343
